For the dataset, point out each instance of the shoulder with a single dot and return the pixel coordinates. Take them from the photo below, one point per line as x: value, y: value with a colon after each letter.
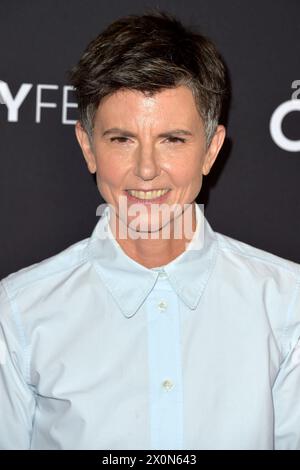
x: 267, y: 282
x: 254, y: 259
x: 45, y: 271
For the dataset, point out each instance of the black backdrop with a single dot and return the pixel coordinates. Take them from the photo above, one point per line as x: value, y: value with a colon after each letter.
x: 48, y: 199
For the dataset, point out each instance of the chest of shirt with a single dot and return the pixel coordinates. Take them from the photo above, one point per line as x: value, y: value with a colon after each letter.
x: 119, y: 382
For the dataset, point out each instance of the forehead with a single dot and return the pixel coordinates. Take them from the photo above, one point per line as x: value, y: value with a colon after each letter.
x: 170, y: 104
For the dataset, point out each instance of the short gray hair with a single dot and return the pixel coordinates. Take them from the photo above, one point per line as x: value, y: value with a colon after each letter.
x: 149, y: 53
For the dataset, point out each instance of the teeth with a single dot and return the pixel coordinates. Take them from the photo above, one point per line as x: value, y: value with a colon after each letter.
x: 148, y: 194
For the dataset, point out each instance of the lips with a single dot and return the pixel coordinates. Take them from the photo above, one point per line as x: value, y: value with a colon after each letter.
x: 137, y: 196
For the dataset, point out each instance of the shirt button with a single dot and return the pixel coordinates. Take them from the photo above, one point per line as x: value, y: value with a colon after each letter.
x: 162, y: 305
x: 167, y: 385
x: 162, y: 274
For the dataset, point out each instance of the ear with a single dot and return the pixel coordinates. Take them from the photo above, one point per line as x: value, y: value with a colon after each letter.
x: 214, y: 148
x: 85, y: 144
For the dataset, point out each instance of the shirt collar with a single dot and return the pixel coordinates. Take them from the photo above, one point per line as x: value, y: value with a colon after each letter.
x: 130, y: 282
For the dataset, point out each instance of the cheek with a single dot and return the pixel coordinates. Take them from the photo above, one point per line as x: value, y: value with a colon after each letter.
x: 188, y: 173
x: 110, y: 172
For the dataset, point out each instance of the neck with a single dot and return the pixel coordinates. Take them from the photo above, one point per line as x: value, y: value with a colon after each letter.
x: 151, y: 252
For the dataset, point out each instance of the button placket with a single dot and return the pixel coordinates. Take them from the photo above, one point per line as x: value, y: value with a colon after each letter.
x: 165, y: 370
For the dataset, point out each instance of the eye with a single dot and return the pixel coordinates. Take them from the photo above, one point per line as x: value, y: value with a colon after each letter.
x: 119, y: 139
x: 176, y: 139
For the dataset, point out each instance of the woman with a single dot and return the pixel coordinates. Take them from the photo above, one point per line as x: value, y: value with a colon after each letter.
x: 156, y: 332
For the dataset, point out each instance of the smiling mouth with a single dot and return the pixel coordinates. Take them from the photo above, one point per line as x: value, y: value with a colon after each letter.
x: 147, y: 194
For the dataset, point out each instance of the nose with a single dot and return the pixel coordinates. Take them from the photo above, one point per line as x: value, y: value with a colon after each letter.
x: 146, y: 165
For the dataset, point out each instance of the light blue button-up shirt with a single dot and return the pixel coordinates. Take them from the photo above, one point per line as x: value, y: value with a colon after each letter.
x: 100, y: 352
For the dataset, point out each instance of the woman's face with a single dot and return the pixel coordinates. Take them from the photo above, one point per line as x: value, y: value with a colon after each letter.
x: 141, y: 144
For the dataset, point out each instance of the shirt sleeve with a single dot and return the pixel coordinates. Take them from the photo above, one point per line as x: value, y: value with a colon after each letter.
x: 286, y: 390
x: 17, y: 402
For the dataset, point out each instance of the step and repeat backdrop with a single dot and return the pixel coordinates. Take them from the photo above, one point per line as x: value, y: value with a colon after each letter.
x: 48, y: 198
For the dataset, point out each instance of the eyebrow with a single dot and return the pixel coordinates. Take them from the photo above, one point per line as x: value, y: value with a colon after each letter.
x: 126, y: 133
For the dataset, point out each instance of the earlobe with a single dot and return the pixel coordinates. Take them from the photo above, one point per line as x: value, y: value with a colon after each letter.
x: 84, y: 142
x: 205, y: 171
